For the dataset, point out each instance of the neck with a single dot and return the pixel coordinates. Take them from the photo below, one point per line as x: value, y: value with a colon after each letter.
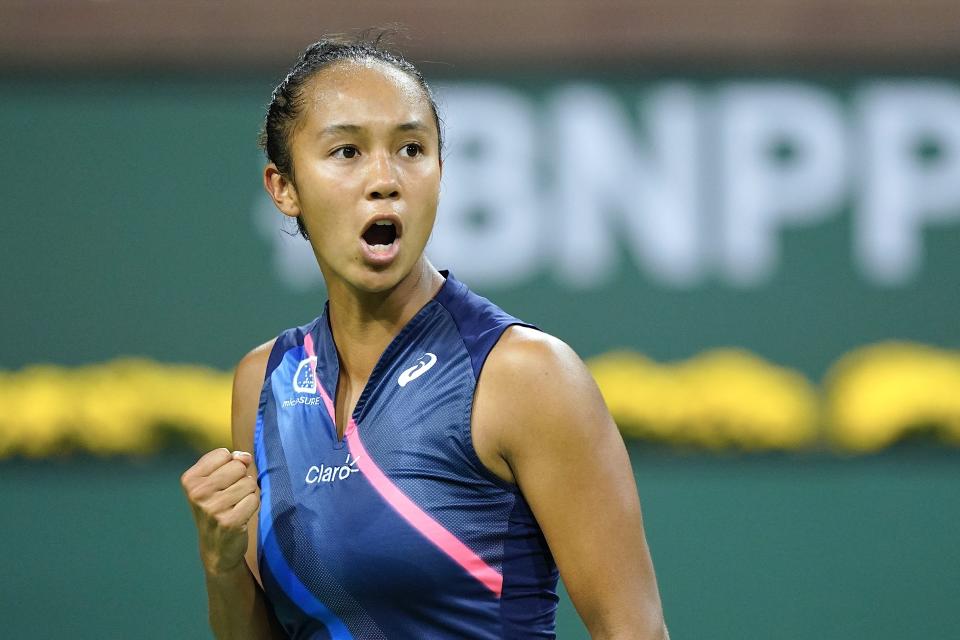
x: 364, y: 323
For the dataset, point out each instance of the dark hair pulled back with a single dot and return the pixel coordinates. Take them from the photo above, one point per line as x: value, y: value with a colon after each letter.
x: 288, y: 99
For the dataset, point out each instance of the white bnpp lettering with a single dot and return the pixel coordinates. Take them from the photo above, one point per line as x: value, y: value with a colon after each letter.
x: 323, y: 473
x: 719, y: 174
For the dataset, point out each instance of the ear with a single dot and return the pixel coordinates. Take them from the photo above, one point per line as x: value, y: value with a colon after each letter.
x: 282, y: 191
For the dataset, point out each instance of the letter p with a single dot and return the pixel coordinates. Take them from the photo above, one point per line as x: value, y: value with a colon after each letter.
x: 911, y: 136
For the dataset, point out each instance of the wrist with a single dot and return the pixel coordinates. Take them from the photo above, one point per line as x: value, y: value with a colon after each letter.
x: 214, y: 569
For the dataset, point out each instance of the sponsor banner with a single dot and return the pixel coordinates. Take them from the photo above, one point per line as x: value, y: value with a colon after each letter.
x: 796, y: 217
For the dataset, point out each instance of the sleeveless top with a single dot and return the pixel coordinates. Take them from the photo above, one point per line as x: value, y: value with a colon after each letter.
x: 398, y: 530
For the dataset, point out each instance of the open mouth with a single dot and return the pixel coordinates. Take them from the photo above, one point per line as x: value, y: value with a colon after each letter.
x: 380, y: 235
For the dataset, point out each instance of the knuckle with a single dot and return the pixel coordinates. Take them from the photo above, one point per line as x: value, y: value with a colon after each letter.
x: 196, y: 493
x: 238, y: 473
x: 219, y: 453
x: 249, y: 509
x: 187, y: 477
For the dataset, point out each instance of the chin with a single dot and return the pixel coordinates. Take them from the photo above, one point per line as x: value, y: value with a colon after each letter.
x: 372, y: 280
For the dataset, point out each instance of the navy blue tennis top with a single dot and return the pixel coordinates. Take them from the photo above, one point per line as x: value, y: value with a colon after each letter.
x: 397, y: 530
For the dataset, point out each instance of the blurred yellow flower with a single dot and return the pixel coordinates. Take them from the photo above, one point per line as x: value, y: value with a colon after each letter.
x: 720, y: 399
x: 125, y: 406
x: 880, y: 393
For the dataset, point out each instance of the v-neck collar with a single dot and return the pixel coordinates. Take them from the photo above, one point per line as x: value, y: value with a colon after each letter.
x: 328, y: 359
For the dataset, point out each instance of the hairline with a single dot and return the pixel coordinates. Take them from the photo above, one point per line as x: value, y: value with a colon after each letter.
x: 365, y: 60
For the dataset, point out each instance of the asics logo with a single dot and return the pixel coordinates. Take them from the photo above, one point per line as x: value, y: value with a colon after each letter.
x: 424, y: 364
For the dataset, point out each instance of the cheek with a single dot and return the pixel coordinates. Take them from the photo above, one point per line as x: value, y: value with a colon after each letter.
x: 324, y: 200
x: 429, y: 201
x: 429, y: 190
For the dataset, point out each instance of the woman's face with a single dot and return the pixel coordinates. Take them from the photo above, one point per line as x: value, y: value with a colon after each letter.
x: 367, y: 172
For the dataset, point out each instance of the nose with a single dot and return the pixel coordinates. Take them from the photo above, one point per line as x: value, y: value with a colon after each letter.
x: 384, y: 183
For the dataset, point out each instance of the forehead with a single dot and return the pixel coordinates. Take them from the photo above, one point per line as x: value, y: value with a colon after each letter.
x: 364, y: 92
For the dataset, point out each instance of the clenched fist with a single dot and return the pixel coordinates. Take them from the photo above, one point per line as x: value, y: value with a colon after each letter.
x: 223, y: 498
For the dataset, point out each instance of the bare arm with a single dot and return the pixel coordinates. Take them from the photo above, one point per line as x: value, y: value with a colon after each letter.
x: 222, y: 491
x: 561, y: 446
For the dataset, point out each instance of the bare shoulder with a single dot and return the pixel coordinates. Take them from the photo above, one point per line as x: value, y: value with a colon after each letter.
x: 253, y: 365
x: 533, y: 357
x: 539, y: 369
x: 247, y: 382
x: 535, y: 389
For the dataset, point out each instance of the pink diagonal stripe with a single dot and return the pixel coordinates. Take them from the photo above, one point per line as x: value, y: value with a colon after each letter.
x: 308, y: 345
x: 408, y: 509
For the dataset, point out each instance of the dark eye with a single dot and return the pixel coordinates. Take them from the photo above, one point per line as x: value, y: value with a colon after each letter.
x: 345, y: 152
x: 412, y: 150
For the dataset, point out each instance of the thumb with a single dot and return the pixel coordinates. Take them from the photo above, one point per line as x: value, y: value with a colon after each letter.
x: 243, y: 457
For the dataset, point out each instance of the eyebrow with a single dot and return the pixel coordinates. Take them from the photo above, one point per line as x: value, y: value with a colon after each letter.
x: 333, y: 129
x: 340, y: 128
x: 416, y: 125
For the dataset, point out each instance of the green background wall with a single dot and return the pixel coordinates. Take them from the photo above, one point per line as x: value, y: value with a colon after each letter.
x: 756, y: 547
x: 127, y: 227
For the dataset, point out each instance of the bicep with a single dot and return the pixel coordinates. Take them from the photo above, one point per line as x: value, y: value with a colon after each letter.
x: 584, y: 497
x: 573, y: 469
x: 247, y: 383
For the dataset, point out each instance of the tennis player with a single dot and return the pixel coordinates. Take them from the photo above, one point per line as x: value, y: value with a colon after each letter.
x: 422, y: 462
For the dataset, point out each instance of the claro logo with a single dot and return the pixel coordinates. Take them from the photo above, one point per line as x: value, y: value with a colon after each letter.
x: 323, y: 473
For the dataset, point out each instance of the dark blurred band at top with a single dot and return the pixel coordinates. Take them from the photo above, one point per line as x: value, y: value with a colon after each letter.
x: 565, y: 34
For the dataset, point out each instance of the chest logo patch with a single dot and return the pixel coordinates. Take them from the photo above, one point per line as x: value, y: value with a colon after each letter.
x: 424, y: 364
x: 304, y: 379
